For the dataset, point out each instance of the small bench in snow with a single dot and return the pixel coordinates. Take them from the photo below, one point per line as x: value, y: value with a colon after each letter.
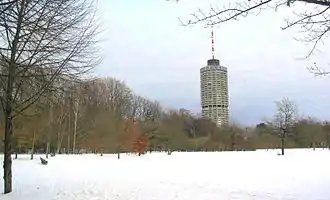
x: 43, y: 161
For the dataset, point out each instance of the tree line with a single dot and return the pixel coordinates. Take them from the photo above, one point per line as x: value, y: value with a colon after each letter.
x: 48, y: 47
x: 94, y: 116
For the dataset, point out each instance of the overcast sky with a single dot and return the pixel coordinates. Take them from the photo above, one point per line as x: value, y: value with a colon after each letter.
x: 144, y: 45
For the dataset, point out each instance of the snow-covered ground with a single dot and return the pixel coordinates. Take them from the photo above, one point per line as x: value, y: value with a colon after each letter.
x: 260, y: 175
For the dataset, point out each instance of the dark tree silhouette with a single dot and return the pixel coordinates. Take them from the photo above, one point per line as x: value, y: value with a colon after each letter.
x: 42, y: 43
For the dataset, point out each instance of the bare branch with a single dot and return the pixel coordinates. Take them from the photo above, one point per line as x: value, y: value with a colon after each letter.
x: 314, y: 23
x: 56, y: 39
x: 230, y: 12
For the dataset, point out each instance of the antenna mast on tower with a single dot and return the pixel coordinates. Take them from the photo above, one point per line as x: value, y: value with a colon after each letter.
x: 212, y: 40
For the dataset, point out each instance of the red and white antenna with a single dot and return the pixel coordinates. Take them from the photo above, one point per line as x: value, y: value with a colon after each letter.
x: 212, y: 40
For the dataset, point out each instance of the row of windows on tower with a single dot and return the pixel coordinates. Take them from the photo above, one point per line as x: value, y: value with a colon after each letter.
x: 213, y: 80
x: 215, y: 74
x: 214, y: 69
x: 215, y: 83
x: 222, y: 95
x: 214, y: 93
x: 214, y: 115
x: 222, y: 101
x: 212, y: 101
x: 213, y: 106
x: 218, y: 86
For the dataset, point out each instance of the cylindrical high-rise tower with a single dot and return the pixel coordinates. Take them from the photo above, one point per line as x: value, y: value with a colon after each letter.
x: 214, y: 92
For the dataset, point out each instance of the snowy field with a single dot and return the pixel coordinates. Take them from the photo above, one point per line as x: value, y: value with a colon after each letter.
x: 260, y: 175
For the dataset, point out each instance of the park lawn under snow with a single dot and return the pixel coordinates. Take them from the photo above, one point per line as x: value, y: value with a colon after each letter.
x: 260, y: 175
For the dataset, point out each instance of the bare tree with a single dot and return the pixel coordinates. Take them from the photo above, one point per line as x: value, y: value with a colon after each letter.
x: 110, y: 92
x: 116, y: 94
x: 61, y: 116
x: 143, y: 108
x: 314, y: 20
x: 135, y: 106
x: 41, y: 41
x: 284, y: 119
x: 76, y: 104
x: 92, y: 100
x: 150, y: 109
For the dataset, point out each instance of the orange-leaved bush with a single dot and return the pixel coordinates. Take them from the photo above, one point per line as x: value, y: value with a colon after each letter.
x: 140, y: 144
x: 130, y: 134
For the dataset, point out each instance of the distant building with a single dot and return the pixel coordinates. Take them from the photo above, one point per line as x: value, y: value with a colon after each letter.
x: 214, y: 92
x: 183, y: 111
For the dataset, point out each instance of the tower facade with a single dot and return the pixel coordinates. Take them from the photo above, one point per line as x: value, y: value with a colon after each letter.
x: 214, y: 92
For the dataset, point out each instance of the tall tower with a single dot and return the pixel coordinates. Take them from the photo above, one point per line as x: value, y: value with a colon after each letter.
x: 214, y: 90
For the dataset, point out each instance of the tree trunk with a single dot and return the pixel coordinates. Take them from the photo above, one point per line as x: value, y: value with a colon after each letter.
x: 74, y: 132
x: 48, y: 146
x: 68, y: 151
x: 33, y: 142
x: 9, y: 103
x: 50, y: 128
x: 232, y: 138
x: 282, y: 143
x: 59, y: 142
x: 60, y: 134
x: 328, y: 140
x: 7, y: 172
x: 31, y: 158
x: 69, y: 132
x: 76, y: 111
x: 59, y: 145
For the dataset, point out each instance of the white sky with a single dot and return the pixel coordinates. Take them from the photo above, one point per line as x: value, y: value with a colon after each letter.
x: 144, y: 45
